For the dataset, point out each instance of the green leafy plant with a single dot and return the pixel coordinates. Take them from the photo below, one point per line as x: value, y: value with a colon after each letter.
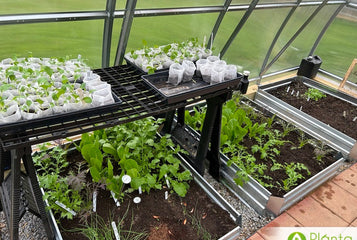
x: 135, y: 150
x: 314, y: 94
x: 293, y: 170
x: 50, y: 166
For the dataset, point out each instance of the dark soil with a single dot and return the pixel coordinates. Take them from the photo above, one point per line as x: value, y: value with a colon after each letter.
x: 305, y: 155
x: 333, y: 111
x: 171, y: 219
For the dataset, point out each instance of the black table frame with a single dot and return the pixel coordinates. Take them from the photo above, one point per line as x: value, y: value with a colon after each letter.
x: 20, y: 191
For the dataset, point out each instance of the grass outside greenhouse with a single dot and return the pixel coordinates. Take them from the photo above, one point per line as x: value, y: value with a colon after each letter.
x: 85, y: 37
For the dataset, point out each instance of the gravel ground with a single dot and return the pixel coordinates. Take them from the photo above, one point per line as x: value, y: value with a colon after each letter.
x: 251, y: 220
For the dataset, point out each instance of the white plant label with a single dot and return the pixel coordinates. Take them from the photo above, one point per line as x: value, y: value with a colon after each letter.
x: 167, y: 181
x: 115, y: 199
x: 166, y: 195
x: 297, y: 94
x: 66, y: 208
x: 287, y: 90
x: 300, y: 108
x: 292, y: 92
x: 354, y: 119
x: 308, y: 98
x: 137, y: 200
x: 140, y: 191
x: 126, y: 179
x: 94, y: 201
x: 115, y: 229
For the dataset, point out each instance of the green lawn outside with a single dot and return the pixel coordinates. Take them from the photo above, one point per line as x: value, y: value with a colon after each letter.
x: 337, y: 49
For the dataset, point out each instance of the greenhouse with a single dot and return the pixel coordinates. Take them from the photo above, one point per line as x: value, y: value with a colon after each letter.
x: 206, y: 119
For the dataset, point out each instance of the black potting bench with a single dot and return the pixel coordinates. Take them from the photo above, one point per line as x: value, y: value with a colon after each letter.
x: 19, y: 189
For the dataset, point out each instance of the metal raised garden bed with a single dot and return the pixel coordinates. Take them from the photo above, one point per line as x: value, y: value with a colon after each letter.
x: 311, y: 125
x: 206, y: 187
x: 257, y: 196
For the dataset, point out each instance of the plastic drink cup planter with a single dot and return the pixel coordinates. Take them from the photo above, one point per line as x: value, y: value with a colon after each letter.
x: 217, y: 74
x: 199, y: 64
x: 212, y: 59
x: 230, y: 72
x: 220, y: 63
x: 206, y: 72
x: 189, y: 71
x: 176, y: 74
x: 103, y: 96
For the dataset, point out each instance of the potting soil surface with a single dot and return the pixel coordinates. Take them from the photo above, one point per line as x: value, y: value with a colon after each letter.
x: 333, y: 111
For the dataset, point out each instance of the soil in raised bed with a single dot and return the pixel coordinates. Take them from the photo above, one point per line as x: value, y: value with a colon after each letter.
x: 161, y: 219
x: 289, y: 154
x: 330, y: 110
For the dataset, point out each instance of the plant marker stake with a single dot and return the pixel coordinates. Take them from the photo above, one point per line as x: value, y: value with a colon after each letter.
x: 167, y: 181
x: 166, y: 195
x: 292, y: 92
x: 66, y: 208
x: 94, y: 201
x: 114, y: 226
x: 308, y: 98
x: 300, y: 108
x: 140, y: 191
x: 115, y: 199
x: 137, y: 200
x: 344, y: 113
x: 297, y: 94
x: 287, y: 90
x: 354, y: 119
x: 126, y: 179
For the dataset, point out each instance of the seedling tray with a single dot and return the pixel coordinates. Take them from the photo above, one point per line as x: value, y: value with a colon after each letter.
x: 195, y: 88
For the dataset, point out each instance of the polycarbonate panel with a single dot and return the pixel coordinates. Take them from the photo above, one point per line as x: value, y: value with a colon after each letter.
x: 54, y: 40
x: 115, y: 39
x: 168, y: 29
x: 250, y: 46
x: 302, y: 45
x: 338, y: 47
x: 145, y: 4
x: 40, y: 6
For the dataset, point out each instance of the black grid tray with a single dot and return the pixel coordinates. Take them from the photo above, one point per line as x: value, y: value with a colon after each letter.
x: 196, y: 87
x: 138, y: 101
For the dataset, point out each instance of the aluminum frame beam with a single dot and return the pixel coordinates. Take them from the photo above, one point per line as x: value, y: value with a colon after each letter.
x: 125, y: 31
x: 108, y: 32
x: 297, y: 34
x: 239, y: 27
x: 283, y: 25
x: 318, y: 39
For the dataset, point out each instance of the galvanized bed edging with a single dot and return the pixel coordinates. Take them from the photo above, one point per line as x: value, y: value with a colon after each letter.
x: 254, y: 195
x: 209, y: 190
x: 312, y: 126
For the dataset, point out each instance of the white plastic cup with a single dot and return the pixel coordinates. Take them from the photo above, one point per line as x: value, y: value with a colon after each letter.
x: 199, y: 64
x: 175, y: 74
x: 230, y: 72
x: 212, y: 59
x: 206, y: 72
x: 189, y: 71
x: 217, y: 74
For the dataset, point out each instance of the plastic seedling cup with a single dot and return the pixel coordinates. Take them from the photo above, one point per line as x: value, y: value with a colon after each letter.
x: 206, y: 72
x: 212, y: 59
x: 217, y: 74
x: 199, y: 64
x: 189, y: 71
x: 175, y: 74
x: 230, y: 72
